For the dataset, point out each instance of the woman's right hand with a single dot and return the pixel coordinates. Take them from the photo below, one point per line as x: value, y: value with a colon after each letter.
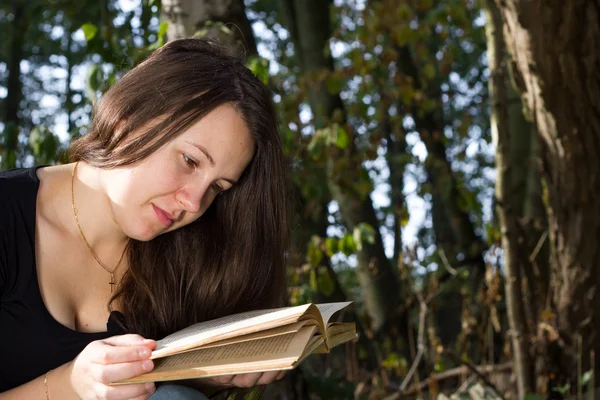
x: 111, y: 360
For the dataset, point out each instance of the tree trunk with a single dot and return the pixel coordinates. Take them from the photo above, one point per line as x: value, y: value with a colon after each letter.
x: 454, y: 232
x: 222, y: 19
x: 395, y: 156
x: 309, y: 25
x: 556, y: 59
x: 507, y: 208
x: 68, y: 104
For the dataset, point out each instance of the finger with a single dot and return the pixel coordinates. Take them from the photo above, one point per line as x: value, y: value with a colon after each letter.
x: 281, y: 375
x: 130, y: 340
x: 267, y: 377
x: 107, y: 354
x: 116, y: 372
x: 246, y: 380
x: 222, y: 380
x: 123, y: 392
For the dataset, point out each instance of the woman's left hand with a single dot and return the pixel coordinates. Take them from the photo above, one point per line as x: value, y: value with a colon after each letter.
x: 247, y: 380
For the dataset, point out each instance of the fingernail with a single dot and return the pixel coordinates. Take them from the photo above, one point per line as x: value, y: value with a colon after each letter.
x: 147, y: 365
x: 150, y: 387
x: 144, y: 353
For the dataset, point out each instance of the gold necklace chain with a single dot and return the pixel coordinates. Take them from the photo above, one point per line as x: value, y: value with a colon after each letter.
x: 112, y: 273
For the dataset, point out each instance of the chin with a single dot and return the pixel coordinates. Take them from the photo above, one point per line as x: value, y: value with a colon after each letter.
x: 142, y: 235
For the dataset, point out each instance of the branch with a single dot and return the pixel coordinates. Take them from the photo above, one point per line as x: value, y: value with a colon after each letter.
x: 472, y: 367
x: 442, y: 254
x: 420, y: 344
x: 451, y: 373
x: 538, y: 247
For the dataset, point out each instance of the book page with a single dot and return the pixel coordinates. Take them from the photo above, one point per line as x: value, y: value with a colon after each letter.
x: 337, y: 333
x: 282, y: 330
x: 328, y: 309
x: 277, y: 352
x: 226, y: 327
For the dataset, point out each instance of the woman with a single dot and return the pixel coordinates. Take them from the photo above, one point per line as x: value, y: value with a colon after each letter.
x: 173, y: 212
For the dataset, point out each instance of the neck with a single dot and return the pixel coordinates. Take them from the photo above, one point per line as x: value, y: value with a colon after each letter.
x: 94, y: 215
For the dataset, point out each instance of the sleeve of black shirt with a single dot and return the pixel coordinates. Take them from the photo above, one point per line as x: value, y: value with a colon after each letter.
x: 3, y: 241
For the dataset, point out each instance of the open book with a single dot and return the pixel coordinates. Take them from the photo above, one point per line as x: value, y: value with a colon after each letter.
x: 255, y: 341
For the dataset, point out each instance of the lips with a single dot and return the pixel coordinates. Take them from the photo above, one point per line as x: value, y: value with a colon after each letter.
x: 165, y: 218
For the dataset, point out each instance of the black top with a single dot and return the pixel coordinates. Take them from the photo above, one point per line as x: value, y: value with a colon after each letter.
x: 31, y: 340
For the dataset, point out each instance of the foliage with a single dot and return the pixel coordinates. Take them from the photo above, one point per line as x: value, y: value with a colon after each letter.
x: 412, y: 76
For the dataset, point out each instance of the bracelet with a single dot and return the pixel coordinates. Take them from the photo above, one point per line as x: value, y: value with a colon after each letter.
x: 46, y: 384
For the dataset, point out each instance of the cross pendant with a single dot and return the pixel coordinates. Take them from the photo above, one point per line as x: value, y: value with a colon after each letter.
x: 112, y: 283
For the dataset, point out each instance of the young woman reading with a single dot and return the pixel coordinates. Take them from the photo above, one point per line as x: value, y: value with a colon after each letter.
x: 174, y: 211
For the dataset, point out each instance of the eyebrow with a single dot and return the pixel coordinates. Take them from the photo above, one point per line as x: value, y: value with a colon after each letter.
x: 210, y: 159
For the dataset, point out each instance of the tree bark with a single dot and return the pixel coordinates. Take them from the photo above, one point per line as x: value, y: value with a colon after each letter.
x: 228, y: 22
x: 68, y: 103
x: 506, y: 208
x: 396, y: 150
x: 556, y: 59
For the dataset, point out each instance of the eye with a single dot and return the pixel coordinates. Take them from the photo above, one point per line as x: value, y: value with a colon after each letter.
x: 190, y: 161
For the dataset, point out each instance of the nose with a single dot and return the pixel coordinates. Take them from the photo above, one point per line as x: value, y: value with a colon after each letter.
x: 190, y: 197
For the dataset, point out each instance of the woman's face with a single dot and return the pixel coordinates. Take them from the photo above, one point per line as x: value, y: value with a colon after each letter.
x: 176, y: 184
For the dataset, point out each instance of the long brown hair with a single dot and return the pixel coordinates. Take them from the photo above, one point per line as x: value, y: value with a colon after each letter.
x: 232, y: 258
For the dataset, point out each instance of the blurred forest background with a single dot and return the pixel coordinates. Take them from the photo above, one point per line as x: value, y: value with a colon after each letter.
x: 445, y: 164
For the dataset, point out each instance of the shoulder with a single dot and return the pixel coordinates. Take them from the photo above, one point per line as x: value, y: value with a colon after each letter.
x: 18, y: 192
x: 18, y: 176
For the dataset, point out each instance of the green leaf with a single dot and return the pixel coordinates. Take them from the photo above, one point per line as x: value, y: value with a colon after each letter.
x: 254, y: 393
x: 200, y: 33
x: 439, y: 366
x: 347, y: 245
x: 260, y: 67
x: 335, y: 84
x: 342, y: 139
x: 562, y: 389
x: 362, y: 233
x: 89, y: 30
x: 314, y: 255
x: 335, y: 135
x: 11, y: 160
x: 587, y: 376
x: 364, y: 186
x: 94, y: 81
x: 428, y: 71
x: 156, y: 45
x: 533, y: 396
x: 331, y: 244
x: 316, y: 145
x: 464, y: 274
x: 44, y: 145
x: 162, y: 29
x: 326, y: 284
x: 225, y: 29
x: 313, y: 279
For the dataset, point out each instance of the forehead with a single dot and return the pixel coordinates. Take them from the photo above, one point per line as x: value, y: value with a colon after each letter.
x: 224, y: 123
x: 224, y: 135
